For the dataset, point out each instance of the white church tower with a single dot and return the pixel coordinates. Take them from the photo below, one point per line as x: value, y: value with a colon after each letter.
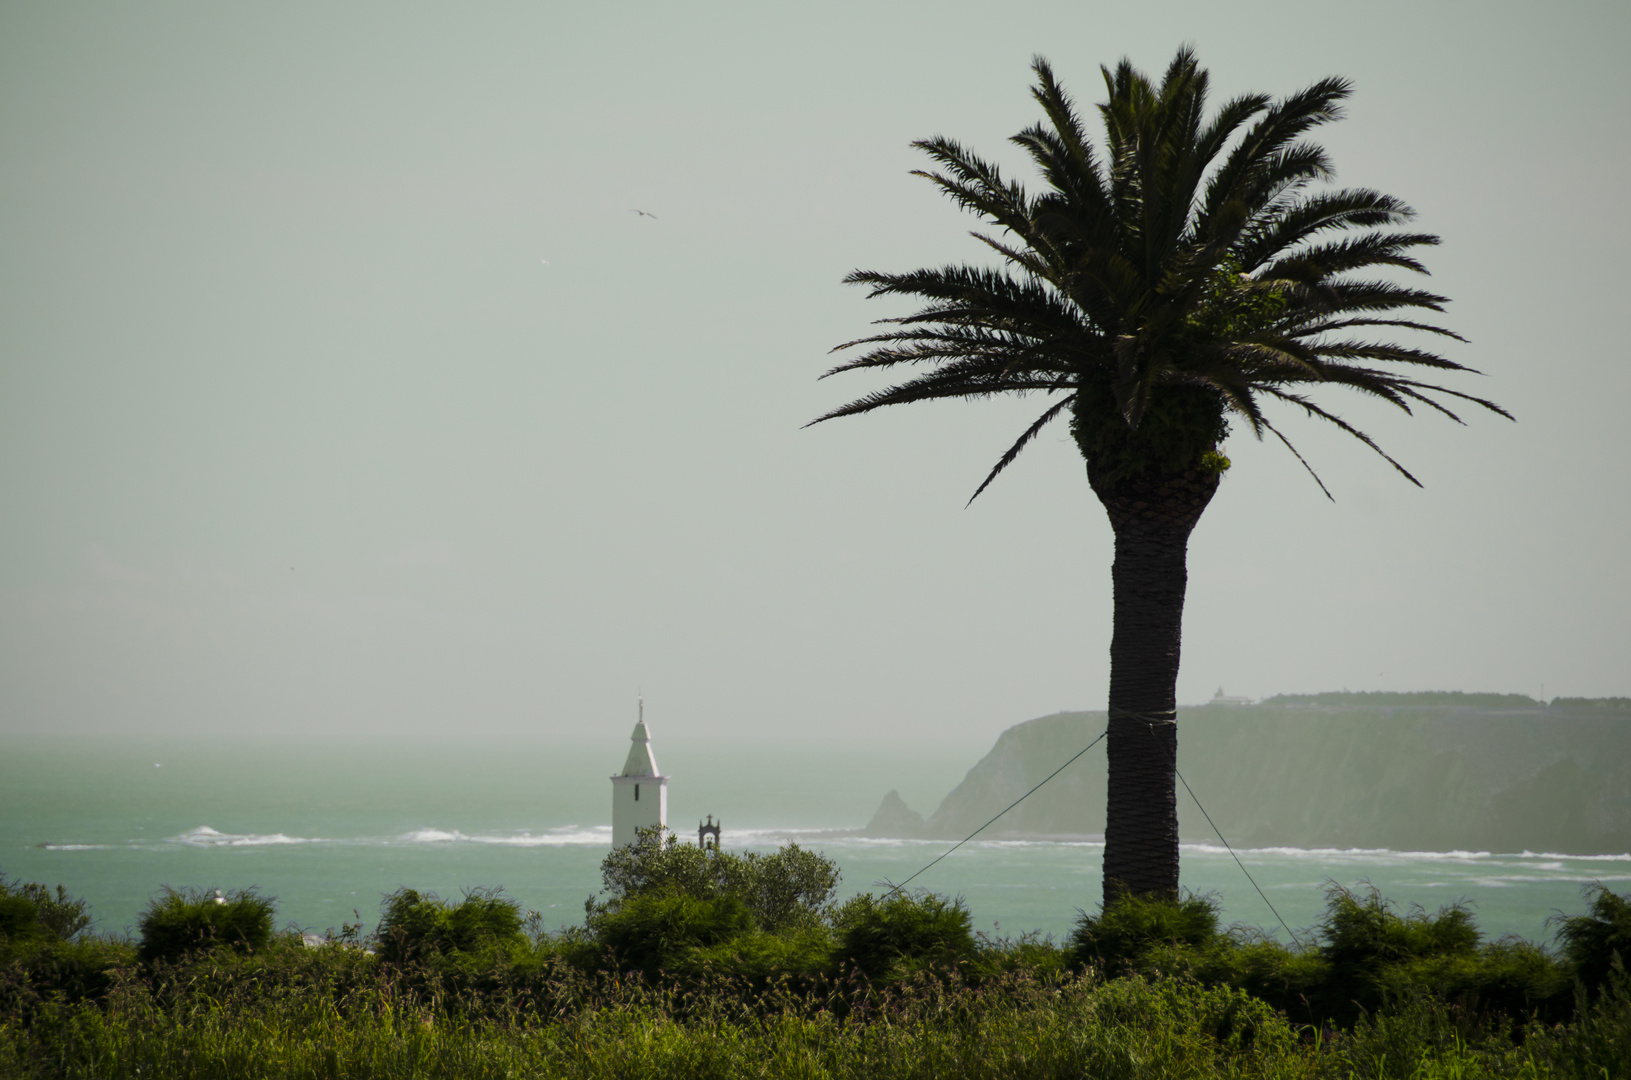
x: 639, y: 792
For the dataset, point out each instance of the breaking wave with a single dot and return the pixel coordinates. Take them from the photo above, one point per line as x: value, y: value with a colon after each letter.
x: 204, y: 836
x: 558, y: 837
x: 1486, y: 865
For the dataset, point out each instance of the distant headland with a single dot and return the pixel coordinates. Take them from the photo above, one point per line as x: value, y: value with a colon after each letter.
x: 1430, y: 771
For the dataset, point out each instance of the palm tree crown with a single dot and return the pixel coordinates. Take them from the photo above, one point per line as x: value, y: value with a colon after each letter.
x: 1167, y: 284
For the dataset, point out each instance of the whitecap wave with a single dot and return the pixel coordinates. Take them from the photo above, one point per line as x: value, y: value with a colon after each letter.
x: 561, y: 836
x: 1522, y: 879
x: 761, y: 837
x: 1555, y: 866
x: 430, y: 836
x: 74, y: 847
x: 204, y: 836
x: 1327, y: 854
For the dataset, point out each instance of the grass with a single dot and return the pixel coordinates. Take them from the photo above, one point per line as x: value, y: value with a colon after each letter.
x: 1011, y: 1027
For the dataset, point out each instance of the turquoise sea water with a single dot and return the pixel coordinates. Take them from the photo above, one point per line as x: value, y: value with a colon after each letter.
x: 328, y: 830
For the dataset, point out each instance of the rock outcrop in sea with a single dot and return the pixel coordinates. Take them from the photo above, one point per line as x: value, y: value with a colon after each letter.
x: 895, y: 819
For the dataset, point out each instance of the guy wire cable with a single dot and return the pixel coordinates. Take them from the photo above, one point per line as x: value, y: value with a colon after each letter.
x: 1004, y: 810
x: 1150, y: 720
x: 1292, y: 934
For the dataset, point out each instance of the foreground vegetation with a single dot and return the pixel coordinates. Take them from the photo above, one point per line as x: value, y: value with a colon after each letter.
x: 741, y: 965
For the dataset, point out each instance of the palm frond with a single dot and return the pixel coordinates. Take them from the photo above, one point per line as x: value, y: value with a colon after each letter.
x: 1064, y: 154
x: 1322, y: 299
x: 1281, y: 123
x: 1333, y: 325
x: 1183, y: 253
x: 1474, y: 399
x: 1314, y: 410
x: 949, y: 382
x: 1014, y: 451
x: 1382, y: 350
x: 975, y: 184
x: 1304, y: 461
x: 1319, y: 262
x: 1313, y: 214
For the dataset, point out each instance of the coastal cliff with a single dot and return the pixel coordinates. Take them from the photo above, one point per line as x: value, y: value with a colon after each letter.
x: 1427, y: 772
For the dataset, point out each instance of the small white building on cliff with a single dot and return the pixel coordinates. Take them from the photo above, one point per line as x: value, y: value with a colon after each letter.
x: 639, y: 792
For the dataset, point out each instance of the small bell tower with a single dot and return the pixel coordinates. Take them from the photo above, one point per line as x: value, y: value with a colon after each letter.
x: 639, y: 792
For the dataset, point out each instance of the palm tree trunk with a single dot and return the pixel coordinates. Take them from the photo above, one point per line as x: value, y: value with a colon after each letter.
x: 1152, y: 519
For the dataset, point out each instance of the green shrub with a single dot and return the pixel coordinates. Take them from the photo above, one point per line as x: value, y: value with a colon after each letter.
x: 415, y: 926
x: 19, y: 918
x: 1366, y: 954
x: 1286, y: 978
x: 1512, y: 978
x: 902, y: 933
x: 1372, y: 949
x: 45, y: 952
x: 652, y: 932
x: 1597, y: 1044
x: 785, y: 890
x: 29, y: 910
x: 1592, y: 941
x: 1121, y: 936
x: 1033, y: 954
x: 192, y: 920
x: 757, y: 959
x: 1363, y: 932
x: 45, y: 970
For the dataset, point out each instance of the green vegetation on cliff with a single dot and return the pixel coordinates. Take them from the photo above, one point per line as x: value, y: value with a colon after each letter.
x: 1407, y: 699
x: 1454, y: 771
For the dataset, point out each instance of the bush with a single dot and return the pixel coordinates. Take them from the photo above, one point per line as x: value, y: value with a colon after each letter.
x: 1367, y: 955
x: 45, y: 953
x: 1033, y: 955
x: 1372, y: 949
x: 902, y: 933
x: 414, y: 927
x: 19, y: 918
x: 193, y: 920
x: 29, y: 911
x: 1363, y: 933
x: 1119, y: 938
x: 1511, y: 978
x: 1597, y: 1043
x: 1592, y: 941
x: 655, y: 932
x: 796, y: 960
x: 788, y: 889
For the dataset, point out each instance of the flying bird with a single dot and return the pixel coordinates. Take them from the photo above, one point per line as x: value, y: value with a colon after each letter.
x: 642, y: 213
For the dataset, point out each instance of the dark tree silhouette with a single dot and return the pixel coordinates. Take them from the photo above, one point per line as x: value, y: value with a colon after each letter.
x: 1187, y: 273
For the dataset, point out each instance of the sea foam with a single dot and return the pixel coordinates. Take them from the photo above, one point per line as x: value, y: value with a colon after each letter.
x: 204, y: 836
x: 556, y: 837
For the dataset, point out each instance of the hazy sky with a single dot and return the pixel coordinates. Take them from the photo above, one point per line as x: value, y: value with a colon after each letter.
x: 341, y: 392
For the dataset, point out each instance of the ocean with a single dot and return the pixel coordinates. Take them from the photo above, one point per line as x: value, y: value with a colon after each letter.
x: 329, y: 830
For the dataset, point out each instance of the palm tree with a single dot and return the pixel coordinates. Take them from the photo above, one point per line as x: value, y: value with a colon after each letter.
x: 1157, y: 290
